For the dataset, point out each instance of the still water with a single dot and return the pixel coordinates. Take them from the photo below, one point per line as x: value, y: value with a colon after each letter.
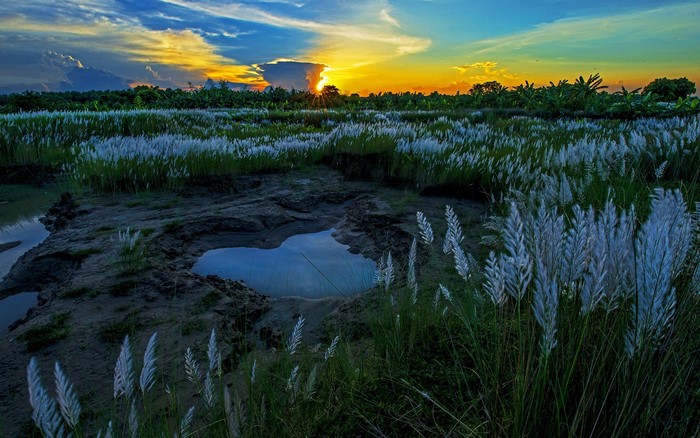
x: 311, y: 265
x: 15, y: 307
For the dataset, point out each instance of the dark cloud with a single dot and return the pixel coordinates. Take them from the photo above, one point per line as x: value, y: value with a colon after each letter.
x: 89, y: 78
x: 292, y: 74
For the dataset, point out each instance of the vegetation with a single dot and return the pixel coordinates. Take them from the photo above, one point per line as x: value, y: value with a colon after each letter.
x: 576, y: 318
x: 582, y: 97
x: 47, y: 334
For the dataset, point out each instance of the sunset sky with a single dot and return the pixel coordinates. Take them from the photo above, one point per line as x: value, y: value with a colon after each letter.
x: 360, y: 46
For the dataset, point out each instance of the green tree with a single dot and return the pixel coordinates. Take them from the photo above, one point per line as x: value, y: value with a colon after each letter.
x: 670, y: 90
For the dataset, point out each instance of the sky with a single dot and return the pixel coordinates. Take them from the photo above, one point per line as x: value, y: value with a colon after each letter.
x: 360, y: 46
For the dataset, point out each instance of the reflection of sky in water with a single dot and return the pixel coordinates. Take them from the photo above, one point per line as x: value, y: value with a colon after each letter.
x: 29, y: 232
x: 15, y: 307
x: 293, y: 268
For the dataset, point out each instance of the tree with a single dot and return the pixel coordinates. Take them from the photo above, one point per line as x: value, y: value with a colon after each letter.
x: 670, y: 90
x: 487, y: 87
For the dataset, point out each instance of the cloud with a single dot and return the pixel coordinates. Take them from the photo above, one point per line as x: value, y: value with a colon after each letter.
x: 488, y: 71
x: 486, y: 65
x: 126, y: 46
x: 386, y: 17
x: 89, y: 78
x: 399, y: 44
x: 293, y: 74
x: 59, y: 60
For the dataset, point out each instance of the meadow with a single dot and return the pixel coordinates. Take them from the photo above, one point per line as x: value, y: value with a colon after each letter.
x: 577, y: 316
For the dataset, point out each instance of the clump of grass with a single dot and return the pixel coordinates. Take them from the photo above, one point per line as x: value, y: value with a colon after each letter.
x: 207, y: 301
x: 47, y: 334
x: 116, y: 331
x: 193, y: 325
x: 145, y: 232
x: 78, y: 292
x: 84, y: 253
x: 172, y: 225
x: 132, y: 256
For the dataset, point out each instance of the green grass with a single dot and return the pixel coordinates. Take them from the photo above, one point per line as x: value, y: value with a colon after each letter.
x: 115, y: 332
x: 43, y: 335
x: 80, y: 292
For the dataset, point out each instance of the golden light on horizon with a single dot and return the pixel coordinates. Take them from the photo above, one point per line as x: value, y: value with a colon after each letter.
x: 323, y: 80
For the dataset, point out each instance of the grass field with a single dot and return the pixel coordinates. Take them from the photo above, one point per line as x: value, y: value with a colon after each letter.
x: 576, y: 318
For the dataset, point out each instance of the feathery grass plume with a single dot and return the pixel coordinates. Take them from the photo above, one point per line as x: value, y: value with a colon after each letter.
x: 128, y: 239
x: 108, y: 432
x: 411, y: 275
x: 454, y: 235
x: 461, y: 261
x: 124, y: 372
x: 133, y: 420
x: 233, y: 417
x: 214, y: 354
x: 67, y: 400
x: 426, y: 231
x: 295, y: 338
x: 44, y: 412
x: 310, y: 386
x: 252, y: 372
x: 659, y: 172
x: 209, y: 391
x: 546, y: 231
x: 293, y: 384
x: 445, y: 292
x: 544, y: 306
x: 194, y: 373
x: 436, y: 298
x: 148, y: 372
x: 494, y: 279
x: 518, y: 265
x: 388, y: 272
x: 613, y: 236
x: 379, y: 273
x: 330, y: 352
x: 577, y: 247
x: 662, y: 247
x: 593, y: 290
x: 185, y: 424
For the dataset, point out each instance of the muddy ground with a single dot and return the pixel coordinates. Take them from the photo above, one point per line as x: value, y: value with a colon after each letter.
x: 93, y: 305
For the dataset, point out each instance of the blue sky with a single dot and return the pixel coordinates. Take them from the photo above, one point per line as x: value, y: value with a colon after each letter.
x: 360, y: 46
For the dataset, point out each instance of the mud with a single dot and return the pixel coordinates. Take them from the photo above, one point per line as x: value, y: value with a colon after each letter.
x: 77, y: 273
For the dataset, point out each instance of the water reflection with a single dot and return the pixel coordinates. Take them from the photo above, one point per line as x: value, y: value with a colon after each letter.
x: 29, y: 233
x: 308, y: 265
x: 15, y: 307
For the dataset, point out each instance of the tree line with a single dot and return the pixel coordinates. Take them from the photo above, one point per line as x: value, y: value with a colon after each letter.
x: 583, y: 97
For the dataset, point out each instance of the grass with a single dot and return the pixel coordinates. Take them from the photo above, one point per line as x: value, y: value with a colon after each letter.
x: 207, y: 302
x: 80, y: 292
x: 43, y: 335
x: 115, y: 332
x: 508, y: 346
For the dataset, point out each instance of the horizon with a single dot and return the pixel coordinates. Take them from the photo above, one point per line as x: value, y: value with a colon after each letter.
x: 371, y: 46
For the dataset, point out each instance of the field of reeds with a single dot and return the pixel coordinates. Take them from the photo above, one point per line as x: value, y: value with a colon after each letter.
x: 577, y: 317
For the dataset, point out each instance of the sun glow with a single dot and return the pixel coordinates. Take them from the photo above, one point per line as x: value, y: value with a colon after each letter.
x: 323, y: 81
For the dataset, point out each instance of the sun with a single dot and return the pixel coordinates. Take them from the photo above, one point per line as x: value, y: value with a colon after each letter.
x: 322, y: 82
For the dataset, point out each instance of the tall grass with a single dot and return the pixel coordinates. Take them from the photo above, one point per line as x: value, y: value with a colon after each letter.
x: 579, y: 319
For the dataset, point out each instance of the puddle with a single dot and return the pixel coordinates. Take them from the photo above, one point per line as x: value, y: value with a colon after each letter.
x: 311, y: 265
x: 15, y: 307
x: 17, y: 239
x: 21, y: 201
